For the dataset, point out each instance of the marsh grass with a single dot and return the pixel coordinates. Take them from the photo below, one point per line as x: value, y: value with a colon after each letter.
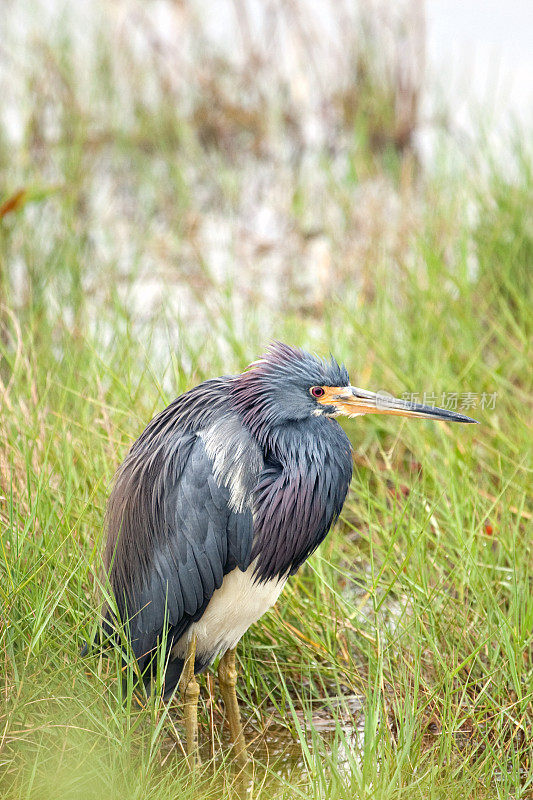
x: 398, y: 662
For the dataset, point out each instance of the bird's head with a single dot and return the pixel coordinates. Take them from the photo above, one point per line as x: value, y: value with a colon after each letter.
x: 288, y: 384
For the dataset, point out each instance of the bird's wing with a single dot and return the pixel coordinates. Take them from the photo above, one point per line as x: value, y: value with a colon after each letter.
x: 195, y: 537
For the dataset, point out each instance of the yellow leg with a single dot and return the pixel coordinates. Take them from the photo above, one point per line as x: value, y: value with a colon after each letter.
x: 190, y: 692
x: 227, y: 679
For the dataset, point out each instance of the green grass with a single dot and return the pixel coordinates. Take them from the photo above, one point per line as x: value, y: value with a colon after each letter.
x: 398, y: 662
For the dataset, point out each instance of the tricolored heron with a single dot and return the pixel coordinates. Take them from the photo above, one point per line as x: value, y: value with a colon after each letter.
x: 223, y: 496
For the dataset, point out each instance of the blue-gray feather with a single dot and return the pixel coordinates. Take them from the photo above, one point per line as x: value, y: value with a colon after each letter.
x: 172, y: 533
x: 300, y: 493
x: 201, y: 545
x: 240, y: 468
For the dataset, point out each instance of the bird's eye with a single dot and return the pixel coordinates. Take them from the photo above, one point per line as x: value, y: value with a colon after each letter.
x: 317, y: 391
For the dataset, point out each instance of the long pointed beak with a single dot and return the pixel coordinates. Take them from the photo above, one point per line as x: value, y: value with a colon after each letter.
x: 352, y: 401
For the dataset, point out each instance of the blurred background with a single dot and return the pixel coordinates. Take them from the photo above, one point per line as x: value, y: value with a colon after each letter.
x: 181, y: 182
x: 246, y: 159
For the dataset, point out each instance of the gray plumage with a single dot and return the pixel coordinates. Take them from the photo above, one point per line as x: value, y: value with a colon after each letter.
x: 242, y: 472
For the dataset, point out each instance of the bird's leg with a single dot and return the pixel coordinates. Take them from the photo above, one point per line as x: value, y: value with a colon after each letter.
x: 190, y: 692
x: 227, y: 679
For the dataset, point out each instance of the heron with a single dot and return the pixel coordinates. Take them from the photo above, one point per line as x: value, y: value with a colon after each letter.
x: 220, y: 500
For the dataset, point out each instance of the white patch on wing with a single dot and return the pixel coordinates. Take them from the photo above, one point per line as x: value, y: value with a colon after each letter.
x: 236, y: 458
x: 232, y: 609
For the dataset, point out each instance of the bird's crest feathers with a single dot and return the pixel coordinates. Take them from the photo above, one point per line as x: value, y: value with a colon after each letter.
x: 296, y: 364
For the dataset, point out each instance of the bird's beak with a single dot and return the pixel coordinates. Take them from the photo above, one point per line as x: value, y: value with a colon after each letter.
x: 352, y: 401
